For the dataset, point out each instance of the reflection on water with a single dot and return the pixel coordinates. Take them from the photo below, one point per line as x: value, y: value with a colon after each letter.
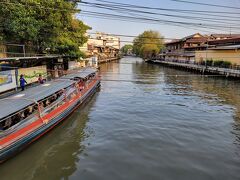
x: 147, y: 122
x: 55, y: 155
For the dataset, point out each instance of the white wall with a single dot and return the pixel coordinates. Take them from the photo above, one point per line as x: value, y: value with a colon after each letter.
x: 73, y: 65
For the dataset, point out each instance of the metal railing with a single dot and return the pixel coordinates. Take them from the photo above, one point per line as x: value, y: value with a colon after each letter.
x: 232, y: 67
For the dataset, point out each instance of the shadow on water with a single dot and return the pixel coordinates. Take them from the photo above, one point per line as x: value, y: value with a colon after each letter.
x: 55, y: 155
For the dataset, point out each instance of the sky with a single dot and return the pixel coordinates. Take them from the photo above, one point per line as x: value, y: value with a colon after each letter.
x: 168, y: 31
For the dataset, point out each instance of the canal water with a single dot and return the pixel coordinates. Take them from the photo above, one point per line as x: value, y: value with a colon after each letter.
x: 146, y: 122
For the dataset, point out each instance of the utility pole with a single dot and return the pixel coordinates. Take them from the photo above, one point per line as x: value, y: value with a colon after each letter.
x: 24, y: 50
x: 206, y: 55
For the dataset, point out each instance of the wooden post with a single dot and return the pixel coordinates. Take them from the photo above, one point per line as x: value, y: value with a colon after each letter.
x: 65, y: 95
x: 39, y: 111
x: 16, y: 79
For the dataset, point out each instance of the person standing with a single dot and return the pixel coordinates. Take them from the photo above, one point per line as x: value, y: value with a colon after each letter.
x: 23, y: 82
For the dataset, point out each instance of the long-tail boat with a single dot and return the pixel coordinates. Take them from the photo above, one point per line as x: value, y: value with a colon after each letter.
x: 29, y: 114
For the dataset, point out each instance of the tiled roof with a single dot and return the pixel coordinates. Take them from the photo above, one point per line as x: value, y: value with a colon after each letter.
x: 185, y: 38
x: 197, y: 40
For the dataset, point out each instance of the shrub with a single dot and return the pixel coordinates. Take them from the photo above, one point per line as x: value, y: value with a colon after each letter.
x: 218, y: 63
x: 223, y: 64
x: 209, y: 62
x: 226, y: 64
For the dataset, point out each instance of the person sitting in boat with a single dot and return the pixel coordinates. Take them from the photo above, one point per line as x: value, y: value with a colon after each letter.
x: 30, y: 110
x: 1, y: 126
x: 41, y: 106
x: 2, y: 123
x: 8, y: 123
x: 23, y: 82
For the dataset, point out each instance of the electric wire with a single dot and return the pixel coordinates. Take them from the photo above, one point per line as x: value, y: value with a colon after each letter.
x: 110, y: 7
x: 207, y: 4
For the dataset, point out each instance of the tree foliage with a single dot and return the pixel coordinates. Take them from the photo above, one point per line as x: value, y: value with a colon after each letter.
x: 47, y: 25
x: 148, y: 44
x: 125, y: 49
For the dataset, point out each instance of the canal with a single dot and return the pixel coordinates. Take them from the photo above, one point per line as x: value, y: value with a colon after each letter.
x: 146, y: 122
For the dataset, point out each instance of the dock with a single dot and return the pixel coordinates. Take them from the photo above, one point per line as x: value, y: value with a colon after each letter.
x: 234, y: 73
x: 100, y: 61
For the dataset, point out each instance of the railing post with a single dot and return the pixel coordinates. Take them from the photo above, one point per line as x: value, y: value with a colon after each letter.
x: 39, y: 110
x: 16, y: 78
x: 65, y: 95
x: 77, y: 88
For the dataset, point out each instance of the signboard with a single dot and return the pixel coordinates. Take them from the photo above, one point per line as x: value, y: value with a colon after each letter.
x: 31, y: 74
x: 7, y: 80
x: 5, y: 77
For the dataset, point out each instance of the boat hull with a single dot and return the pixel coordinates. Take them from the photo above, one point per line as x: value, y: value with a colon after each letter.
x: 18, y: 146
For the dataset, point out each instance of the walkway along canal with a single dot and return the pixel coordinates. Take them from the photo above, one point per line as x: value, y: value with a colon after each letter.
x: 145, y: 123
x: 200, y: 68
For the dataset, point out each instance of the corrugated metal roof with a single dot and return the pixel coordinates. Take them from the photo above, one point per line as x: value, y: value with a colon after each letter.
x: 81, y: 73
x: 27, y: 58
x: 232, y: 47
x: 25, y: 98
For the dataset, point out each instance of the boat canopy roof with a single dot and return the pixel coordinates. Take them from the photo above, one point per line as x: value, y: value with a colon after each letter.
x: 26, y: 98
x: 81, y: 73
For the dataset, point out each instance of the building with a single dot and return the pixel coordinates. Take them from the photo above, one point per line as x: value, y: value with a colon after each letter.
x: 184, y: 49
x: 112, y: 41
x: 109, y: 40
x: 223, y: 36
x: 227, y: 50
x: 199, y: 48
x: 102, y: 46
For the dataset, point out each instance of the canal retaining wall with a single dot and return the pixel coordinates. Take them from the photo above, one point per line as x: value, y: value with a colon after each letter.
x: 100, y: 61
x: 200, y: 68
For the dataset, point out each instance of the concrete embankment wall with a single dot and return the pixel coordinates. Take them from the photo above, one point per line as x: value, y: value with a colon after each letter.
x: 200, y: 69
x: 108, y: 60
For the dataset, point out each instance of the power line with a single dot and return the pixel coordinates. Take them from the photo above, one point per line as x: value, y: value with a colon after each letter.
x: 184, y: 17
x: 114, y: 7
x: 141, y: 21
x: 206, y: 4
x: 219, y: 27
x: 157, y: 8
x: 122, y: 35
x: 201, y: 25
x: 117, y: 5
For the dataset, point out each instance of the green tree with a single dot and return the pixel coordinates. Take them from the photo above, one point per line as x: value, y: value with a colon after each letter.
x: 47, y: 25
x: 126, y: 48
x: 148, y: 44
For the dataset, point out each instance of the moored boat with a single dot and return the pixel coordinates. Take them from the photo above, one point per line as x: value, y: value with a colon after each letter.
x: 26, y: 116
